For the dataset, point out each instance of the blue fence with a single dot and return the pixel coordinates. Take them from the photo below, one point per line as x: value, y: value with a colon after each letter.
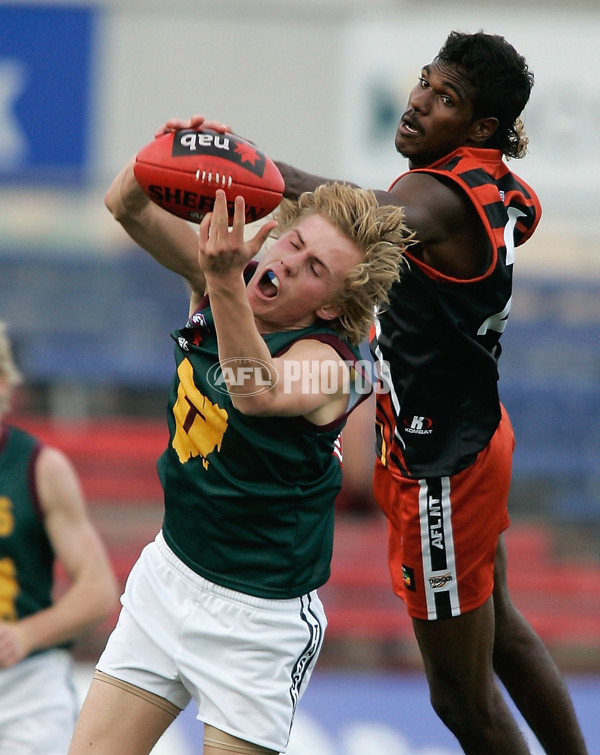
x: 102, y: 321
x: 550, y: 384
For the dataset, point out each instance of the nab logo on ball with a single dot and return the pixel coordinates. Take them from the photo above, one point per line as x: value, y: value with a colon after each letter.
x: 181, y: 172
x: 224, y: 146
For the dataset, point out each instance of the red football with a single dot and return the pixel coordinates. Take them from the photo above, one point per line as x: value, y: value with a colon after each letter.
x: 182, y: 170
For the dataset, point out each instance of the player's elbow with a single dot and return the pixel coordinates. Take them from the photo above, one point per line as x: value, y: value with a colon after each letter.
x: 122, y: 212
x: 125, y: 205
x: 110, y: 202
x: 117, y: 208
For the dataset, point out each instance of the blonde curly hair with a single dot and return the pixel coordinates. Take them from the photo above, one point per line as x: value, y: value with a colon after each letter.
x: 8, y: 371
x: 378, y: 232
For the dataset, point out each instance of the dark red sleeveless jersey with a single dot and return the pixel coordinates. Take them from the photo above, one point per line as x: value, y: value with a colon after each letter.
x: 438, y: 341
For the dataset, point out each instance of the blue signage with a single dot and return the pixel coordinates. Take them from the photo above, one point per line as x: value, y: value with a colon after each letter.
x: 46, y: 55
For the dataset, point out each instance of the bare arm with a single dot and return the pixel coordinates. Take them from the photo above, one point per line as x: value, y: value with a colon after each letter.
x: 449, y: 233
x: 451, y: 237
x: 92, y: 593
x: 172, y: 241
x: 298, y: 181
x: 224, y: 254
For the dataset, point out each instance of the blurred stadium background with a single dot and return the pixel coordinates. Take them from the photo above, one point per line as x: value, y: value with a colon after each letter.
x: 320, y: 83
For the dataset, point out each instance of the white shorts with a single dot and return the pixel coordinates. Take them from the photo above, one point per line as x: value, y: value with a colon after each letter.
x: 244, y: 660
x: 38, y: 705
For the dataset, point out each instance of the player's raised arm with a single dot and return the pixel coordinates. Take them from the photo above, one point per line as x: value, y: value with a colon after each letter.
x: 170, y: 240
x: 173, y: 179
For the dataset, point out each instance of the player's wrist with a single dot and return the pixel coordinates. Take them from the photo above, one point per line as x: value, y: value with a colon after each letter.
x: 23, y: 639
x: 229, y: 284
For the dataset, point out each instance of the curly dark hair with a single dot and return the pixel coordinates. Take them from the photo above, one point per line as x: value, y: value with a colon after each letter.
x: 501, y: 82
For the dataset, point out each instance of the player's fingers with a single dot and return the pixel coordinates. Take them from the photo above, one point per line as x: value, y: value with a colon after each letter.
x: 200, y: 122
x: 203, y: 230
x: 176, y: 124
x: 220, y: 208
x: 195, y: 122
x: 220, y: 220
x: 222, y: 128
x: 170, y: 125
x: 259, y: 238
x: 239, y: 217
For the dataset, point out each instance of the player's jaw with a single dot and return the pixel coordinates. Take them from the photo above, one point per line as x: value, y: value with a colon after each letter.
x: 409, y: 134
x: 438, y: 116
x: 281, y: 301
x: 424, y: 139
x: 286, y: 299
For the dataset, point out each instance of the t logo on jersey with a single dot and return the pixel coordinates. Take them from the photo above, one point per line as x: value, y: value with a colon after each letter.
x: 200, y: 424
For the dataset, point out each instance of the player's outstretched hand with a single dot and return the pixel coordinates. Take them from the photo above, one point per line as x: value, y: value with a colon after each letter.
x: 223, y: 251
x: 196, y: 122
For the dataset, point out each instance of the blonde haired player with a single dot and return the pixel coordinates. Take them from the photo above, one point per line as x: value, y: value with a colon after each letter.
x: 223, y: 606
